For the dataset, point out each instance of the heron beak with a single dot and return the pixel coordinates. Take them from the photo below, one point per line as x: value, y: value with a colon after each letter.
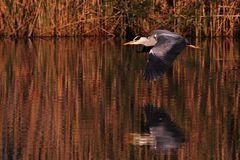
x: 129, y: 43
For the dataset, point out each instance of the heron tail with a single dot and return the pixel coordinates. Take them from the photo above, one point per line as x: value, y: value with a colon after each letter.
x: 193, y: 46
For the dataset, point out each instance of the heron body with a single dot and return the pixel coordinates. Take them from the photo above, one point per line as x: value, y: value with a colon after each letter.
x: 163, y: 48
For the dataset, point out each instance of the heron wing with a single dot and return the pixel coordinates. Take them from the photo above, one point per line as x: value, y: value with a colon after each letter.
x: 168, y: 47
x: 162, y: 55
x: 154, y: 68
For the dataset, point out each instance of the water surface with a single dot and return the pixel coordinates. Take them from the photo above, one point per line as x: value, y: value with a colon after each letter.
x: 73, y: 98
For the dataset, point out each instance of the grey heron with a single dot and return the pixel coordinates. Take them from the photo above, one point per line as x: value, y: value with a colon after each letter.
x: 163, y: 47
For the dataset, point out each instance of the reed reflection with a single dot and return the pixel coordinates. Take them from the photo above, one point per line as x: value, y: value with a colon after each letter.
x: 71, y: 98
x: 158, y: 130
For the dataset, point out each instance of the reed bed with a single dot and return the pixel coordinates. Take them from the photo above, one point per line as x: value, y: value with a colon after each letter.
x: 112, y: 17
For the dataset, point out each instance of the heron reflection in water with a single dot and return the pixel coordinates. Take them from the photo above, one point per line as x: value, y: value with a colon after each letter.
x: 157, y: 130
x: 163, y: 47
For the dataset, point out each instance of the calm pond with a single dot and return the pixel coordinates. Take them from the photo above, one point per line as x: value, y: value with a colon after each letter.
x: 73, y: 98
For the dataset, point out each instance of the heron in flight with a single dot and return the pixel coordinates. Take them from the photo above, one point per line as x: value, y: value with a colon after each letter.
x: 163, y: 48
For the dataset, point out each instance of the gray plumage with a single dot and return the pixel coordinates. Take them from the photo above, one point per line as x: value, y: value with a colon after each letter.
x: 165, y: 51
x: 163, y: 47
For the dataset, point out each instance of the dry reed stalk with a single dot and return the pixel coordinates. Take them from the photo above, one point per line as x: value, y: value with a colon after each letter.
x: 96, y: 17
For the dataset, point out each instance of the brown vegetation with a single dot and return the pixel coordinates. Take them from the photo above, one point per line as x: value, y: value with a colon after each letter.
x: 112, y: 17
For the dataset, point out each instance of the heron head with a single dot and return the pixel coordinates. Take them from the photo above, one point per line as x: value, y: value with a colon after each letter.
x: 146, y: 41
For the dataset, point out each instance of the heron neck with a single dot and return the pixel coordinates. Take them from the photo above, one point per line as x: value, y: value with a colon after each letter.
x: 149, y: 41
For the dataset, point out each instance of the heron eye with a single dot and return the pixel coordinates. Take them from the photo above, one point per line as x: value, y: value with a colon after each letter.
x: 136, y: 38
